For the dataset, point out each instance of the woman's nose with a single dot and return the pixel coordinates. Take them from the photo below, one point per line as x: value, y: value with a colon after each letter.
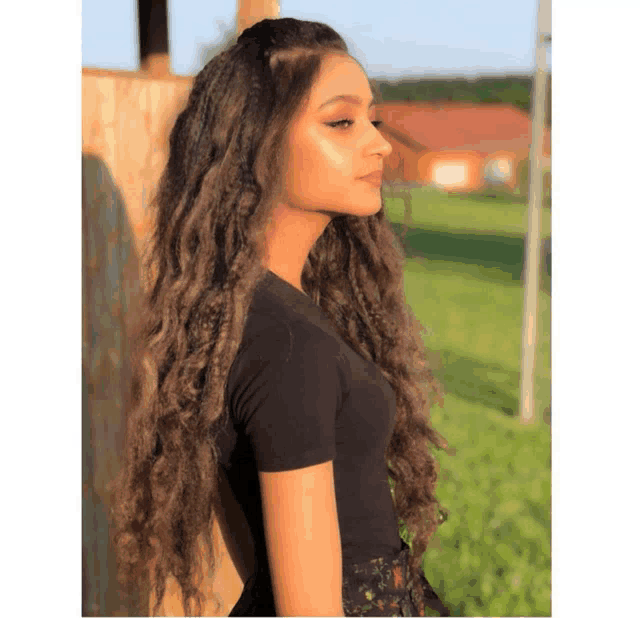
x: 381, y: 145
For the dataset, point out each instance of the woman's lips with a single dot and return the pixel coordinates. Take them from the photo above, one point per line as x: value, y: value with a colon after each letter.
x: 375, y: 178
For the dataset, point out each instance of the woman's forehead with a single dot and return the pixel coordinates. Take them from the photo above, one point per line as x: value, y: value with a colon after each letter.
x: 341, y: 78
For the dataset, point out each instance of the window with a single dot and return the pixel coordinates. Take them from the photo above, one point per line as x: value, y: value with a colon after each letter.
x: 498, y: 170
x: 451, y: 174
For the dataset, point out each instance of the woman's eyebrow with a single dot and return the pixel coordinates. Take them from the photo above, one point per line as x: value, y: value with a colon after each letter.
x: 350, y: 98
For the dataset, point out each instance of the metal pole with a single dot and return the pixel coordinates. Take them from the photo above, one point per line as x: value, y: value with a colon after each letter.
x: 532, y: 255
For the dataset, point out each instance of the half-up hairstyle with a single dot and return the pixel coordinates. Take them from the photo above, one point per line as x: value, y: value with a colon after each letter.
x: 206, y: 256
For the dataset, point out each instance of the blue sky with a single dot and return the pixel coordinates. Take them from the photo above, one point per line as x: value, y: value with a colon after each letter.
x: 419, y: 37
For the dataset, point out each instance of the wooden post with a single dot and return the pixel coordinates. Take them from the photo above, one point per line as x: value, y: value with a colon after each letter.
x: 250, y: 12
x: 532, y: 256
x: 153, y: 37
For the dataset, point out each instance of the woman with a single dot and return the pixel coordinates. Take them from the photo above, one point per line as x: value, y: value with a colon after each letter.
x: 279, y: 369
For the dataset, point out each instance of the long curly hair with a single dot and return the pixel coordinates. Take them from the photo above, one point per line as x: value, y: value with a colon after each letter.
x: 205, y: 258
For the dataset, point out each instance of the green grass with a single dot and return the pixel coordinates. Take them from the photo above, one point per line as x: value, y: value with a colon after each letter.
x: 475, y: 326
x: 434, y: 210
x: 492, y: 557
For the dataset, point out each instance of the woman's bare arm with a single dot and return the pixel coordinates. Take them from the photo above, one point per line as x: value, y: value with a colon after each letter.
x: 303, y: 540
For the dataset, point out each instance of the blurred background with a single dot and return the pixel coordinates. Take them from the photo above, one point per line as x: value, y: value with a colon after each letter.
x: 458, y: 82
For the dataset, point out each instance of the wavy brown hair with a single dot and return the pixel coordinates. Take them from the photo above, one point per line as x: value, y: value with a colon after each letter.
x: 211, y: 207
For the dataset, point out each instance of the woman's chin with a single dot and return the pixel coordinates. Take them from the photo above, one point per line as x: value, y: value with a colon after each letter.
x: 359, y: 206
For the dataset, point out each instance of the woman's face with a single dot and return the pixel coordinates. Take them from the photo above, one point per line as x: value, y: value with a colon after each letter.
x: 332, y: 144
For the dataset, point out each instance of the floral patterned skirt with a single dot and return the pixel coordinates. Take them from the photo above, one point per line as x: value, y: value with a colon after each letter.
x: 380, y: 587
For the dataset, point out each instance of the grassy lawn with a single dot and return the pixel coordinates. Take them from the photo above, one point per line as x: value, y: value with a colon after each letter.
x: 492, y: 557
x: 434, y: 210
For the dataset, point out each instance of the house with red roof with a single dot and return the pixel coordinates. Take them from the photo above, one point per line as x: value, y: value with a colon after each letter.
x: 457, y: 146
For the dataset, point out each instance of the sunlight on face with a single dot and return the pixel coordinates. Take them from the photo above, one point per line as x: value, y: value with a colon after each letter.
x: 333, y: 143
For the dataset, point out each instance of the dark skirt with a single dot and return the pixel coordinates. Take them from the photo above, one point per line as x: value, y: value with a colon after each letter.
x: 379, y: 587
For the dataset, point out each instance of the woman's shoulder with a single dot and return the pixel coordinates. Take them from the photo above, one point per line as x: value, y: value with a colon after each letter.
x: 271, y: 320
x: 288, y: 338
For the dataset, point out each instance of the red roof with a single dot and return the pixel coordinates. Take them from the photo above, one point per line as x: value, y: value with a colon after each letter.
x: 484, y: 128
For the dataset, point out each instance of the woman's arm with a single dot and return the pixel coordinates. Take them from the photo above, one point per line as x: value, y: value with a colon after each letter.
x: 303, y: 540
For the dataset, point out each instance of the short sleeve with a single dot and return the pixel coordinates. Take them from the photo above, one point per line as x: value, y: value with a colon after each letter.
x: 286, y: 394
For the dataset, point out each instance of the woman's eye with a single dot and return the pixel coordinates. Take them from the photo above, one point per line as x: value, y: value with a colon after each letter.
x: 341, y: 123
x: 347, y: 122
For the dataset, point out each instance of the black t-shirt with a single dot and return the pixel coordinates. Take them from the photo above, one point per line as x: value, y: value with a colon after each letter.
x: 299, y: 395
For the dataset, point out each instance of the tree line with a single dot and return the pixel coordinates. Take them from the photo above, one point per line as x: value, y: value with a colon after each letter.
x: 514, y: 89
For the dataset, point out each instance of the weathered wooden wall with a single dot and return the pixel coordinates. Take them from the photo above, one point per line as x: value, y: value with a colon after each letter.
x: 126, y: 120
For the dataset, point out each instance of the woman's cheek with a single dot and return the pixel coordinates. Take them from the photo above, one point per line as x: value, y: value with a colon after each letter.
x: 332, y: 154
